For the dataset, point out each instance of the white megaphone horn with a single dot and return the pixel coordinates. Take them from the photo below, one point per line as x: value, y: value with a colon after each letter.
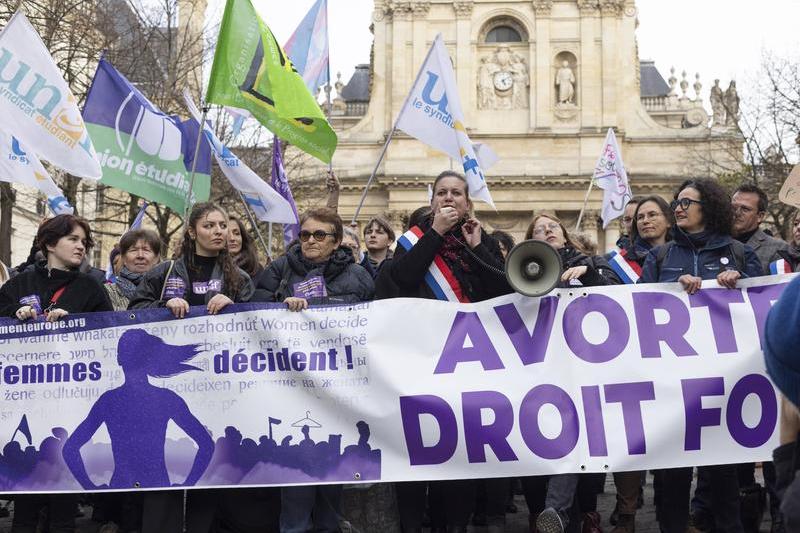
x: 533, y: 268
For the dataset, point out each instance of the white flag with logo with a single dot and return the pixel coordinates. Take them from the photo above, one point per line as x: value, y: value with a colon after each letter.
x: 432, y: 113
x: 19, y: 165
x: 610, y: 175
x: 266, y: 203
x: 36, y: 103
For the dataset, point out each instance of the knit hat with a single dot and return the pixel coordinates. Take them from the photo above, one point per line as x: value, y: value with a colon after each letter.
x: 782, y: 342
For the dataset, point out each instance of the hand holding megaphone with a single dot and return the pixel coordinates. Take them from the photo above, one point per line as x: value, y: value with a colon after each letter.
x: 444, y: 219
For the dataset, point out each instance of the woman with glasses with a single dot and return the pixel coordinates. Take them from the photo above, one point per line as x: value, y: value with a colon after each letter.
x: 702, y: 249
x: 315, y: 270
x: 550, y: 500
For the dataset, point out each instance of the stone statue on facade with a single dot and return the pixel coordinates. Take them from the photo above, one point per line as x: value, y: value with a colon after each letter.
x: 486, y: 72
x: 718, y: 104
x: 565, y: 81
x: 732, y: 105
x: 521, y: 82
x: 503, y: 80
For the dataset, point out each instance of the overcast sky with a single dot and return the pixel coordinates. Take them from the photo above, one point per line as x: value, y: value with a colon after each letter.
x: 717, y: 38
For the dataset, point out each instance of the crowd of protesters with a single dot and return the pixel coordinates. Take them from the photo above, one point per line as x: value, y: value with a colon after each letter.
x: 703, y: 234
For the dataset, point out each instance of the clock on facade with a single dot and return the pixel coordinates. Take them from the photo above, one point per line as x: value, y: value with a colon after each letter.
x: 503, y: 81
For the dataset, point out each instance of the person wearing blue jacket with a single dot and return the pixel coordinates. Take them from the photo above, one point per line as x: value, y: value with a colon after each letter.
x: 702, y: 248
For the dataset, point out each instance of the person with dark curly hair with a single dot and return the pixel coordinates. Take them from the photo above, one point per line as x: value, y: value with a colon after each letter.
x: 702, y: 249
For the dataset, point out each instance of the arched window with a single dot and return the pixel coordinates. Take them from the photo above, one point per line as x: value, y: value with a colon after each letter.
x: 503, y: 34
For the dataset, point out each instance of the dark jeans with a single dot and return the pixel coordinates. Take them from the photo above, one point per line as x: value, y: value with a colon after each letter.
x: 451, y: 502
x: 162, y: 511
x: 561, y: 491
x: 233, y: 510
x: 61, y: 512
x: 308, y: 507
x: 747, y: 478
x: 722, y: 484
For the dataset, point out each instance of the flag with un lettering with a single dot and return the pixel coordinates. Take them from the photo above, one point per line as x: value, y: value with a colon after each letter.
x: 432, y: 113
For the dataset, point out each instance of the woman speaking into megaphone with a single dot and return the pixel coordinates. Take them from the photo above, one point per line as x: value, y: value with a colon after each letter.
x: 447, y: 256
x: 578, y: 269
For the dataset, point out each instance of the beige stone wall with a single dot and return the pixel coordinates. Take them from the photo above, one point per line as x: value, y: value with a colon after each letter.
x: 547, y: 152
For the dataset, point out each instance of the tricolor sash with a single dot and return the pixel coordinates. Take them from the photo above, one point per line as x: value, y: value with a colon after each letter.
x: 781, y: 266
x: 628, y: 271
x: 439, y: 277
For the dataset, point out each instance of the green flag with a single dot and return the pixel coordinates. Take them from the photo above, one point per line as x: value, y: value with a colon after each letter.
x: 252, y: 72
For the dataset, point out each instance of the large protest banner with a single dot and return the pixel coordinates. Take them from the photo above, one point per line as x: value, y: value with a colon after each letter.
x: 601, y: 379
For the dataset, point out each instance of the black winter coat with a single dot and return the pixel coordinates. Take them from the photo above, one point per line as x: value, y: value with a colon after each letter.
x: 148, y: 293
x: 404, y: 275
x: 598, y: 272
x: 345, y: 281
x: 83, y: 294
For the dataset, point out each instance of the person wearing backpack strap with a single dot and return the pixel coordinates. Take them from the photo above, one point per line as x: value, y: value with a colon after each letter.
x: 750, y: 205
x: 702, y: 249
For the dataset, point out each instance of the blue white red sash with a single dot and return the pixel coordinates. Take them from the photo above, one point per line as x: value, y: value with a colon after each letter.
x: 628, y: 271
x: 439, y: 277
x: 781, y: 266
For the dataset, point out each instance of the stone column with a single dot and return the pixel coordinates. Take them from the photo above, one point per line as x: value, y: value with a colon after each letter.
x: 612, y: 233
x: 540, y: 66
x: 590, y: 224
x: 589, y: 75
x: 401, y: 72
x: 419, y: 12
x: 382, y: 26
x: 463, y: 58
x: 611, y: 11
x: 544, y: 73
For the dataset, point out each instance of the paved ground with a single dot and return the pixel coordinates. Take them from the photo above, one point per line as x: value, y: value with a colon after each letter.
x: 516, y: 523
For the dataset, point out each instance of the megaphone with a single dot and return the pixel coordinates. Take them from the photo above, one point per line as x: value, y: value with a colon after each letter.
x: 533, y: 268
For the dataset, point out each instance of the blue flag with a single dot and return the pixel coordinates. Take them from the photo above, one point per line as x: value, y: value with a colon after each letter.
x: 142, y: 150
x: 308, y: 47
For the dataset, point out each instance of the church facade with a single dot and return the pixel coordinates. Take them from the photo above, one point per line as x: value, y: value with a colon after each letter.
x: 540, y: 82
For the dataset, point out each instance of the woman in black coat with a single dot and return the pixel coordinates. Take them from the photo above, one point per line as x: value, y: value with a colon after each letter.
x: 315, y: 270
x: 583, y: 270
x: 449, y: 236
x: 51, y: 290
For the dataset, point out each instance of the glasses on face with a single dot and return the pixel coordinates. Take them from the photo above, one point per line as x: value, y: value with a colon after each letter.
x: 683, y: 203
x: 541, y: 230
x: 318, y: 235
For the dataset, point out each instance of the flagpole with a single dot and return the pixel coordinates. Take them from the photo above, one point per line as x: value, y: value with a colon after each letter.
x: 389, y: 138
x: 585, y: 201
x: 269, y: 232
x: 194, y: 161
x: 255, y: 225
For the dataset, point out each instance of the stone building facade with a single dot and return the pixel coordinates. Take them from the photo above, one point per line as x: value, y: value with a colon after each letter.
x: 540, y: 81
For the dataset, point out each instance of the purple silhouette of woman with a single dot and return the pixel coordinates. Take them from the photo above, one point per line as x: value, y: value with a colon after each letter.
x: 136, y: 415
